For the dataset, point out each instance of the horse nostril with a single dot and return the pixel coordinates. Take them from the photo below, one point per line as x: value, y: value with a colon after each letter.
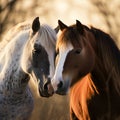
x: 45, y: 86
x: 48, y: 88
x: 60, y: 84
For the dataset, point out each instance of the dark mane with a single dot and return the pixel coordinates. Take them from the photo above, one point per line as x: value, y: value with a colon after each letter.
x: 108, y: 52
x: 105, y: 77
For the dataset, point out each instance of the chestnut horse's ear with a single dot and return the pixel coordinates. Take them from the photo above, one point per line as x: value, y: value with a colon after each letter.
x: 79, y: 27
x: 35, y: 25
x: 62, y: 25
x: 57, y: 29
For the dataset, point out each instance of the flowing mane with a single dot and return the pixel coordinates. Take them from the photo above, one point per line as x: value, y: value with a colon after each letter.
x: 46, y: 31
x: 108, y: 52
x: 80, y: 93
x: 24, y: 26
x: 13, y: 32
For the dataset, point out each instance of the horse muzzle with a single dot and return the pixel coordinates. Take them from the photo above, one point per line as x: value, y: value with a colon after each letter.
x: 47, y: 90
x: 61, y: 88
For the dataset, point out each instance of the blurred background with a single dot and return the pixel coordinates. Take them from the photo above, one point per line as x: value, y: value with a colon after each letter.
x: 103, y: 14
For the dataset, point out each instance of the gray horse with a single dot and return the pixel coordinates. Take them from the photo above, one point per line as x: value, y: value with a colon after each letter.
x: 28, y: 55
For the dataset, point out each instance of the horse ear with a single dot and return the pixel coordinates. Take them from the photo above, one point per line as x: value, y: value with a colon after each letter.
x: 57, y: 29
x: 62, y: 25
x: 79, y: 27
x: 35, y: 25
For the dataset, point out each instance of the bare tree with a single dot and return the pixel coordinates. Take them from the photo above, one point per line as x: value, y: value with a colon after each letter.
x: 5, y: 13
x: 110, y: 16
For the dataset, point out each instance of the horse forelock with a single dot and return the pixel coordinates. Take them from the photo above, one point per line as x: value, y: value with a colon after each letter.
x: 71, y: 35
x: 47, y: 35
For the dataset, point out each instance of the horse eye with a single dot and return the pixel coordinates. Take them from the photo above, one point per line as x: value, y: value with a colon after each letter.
x: 37, y: 48
x: 37, y: 51
x: 78, y: 51
x: 56, y: 53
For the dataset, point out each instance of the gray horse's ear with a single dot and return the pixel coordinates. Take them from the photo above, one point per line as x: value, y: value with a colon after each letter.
x: 35, y: 25
x: 57, y: 29
x: 79, y: 27
x: 62, y: 25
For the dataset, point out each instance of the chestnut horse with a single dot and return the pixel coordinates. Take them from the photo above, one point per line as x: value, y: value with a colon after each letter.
x: 88, y: 62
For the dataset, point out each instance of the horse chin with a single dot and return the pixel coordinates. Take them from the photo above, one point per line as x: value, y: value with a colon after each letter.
x: 61, y: 92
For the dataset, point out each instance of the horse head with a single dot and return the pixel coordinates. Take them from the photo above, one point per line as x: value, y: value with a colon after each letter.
x: 75, y: 56
x: 38, y: 57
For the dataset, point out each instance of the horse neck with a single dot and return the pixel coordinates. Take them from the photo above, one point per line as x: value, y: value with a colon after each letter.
x: 11, y: 74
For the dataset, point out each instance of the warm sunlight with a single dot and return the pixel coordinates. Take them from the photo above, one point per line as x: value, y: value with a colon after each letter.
x: 102, y: 14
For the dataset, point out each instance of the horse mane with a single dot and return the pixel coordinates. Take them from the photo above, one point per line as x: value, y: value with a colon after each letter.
x: 108, y: 52
x: 80, y: 93
x: 13, y: 32
x: 45, y: 30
